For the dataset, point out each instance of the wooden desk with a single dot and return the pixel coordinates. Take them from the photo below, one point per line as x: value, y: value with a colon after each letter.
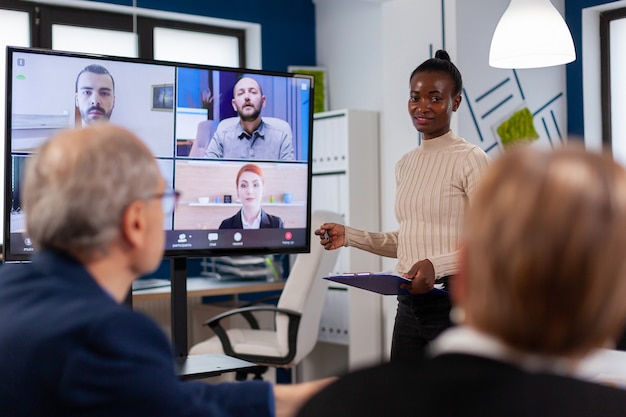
x: 201, y: 287
x: 204, y: 366
x: 183, y: 287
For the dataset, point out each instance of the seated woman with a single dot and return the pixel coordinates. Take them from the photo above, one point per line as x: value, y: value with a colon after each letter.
x: 250, y: 183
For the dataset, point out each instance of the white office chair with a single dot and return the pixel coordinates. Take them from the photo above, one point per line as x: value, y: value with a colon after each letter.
x: 296, y: 319
x: 205, y: 131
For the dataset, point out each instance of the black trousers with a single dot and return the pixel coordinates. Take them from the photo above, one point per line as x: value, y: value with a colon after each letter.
x: 419, y: 320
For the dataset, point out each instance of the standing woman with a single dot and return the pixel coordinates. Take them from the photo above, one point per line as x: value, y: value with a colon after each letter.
x: 434, y: 185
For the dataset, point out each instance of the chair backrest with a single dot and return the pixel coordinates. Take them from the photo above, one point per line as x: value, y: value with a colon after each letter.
x: 205, y: 131
x: 305, y: 290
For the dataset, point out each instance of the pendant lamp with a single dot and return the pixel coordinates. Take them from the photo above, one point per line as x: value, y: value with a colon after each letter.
x: 531, y: 34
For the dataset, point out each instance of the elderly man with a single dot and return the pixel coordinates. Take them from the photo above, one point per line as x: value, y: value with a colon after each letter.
x: 95, y: 200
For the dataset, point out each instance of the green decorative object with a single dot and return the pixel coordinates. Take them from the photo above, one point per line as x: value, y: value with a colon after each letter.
x: 517, y: 128
x: 320, y: 86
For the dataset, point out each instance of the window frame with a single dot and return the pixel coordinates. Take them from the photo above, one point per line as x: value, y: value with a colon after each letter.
x: 605, y: 73
x: 146, y: 26
x: 33, y: 13
x: 123, y: 18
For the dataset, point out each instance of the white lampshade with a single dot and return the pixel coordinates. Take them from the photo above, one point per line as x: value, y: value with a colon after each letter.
x: 531, y: 34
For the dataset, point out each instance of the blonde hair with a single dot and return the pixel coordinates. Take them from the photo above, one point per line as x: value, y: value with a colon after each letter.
x: 78, y: 185
x: 545, y: 237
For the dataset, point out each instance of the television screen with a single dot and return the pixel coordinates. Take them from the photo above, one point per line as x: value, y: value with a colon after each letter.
x: 245, y: 189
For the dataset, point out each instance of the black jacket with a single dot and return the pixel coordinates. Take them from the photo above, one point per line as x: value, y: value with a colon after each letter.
x: 267, y: 221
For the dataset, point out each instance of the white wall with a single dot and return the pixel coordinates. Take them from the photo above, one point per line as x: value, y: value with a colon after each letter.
x: 350, y: 32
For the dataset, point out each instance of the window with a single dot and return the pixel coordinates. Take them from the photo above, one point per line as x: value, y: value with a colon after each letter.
x: 187, y: 42
x: 131, y: 35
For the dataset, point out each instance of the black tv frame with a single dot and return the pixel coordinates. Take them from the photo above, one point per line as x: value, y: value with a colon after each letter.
x: 300, y: 235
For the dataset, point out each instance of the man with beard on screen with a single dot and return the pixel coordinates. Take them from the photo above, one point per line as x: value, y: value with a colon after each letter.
x: 95, y: 94
x: 250, y: 136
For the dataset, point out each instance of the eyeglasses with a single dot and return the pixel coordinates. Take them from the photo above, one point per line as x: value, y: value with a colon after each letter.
x: 169, y: 198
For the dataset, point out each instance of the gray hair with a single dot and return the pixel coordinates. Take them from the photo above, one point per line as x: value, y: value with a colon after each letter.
x: 78, y: 185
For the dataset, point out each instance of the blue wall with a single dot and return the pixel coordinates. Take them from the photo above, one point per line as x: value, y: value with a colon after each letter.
x: 287, y: 26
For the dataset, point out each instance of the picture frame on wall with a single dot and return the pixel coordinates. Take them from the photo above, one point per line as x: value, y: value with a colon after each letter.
x: 163, y: 97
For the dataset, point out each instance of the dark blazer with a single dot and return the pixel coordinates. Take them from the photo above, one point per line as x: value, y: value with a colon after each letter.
x: 454, y: 385
x: 68, y: 349
x: 267, y: 221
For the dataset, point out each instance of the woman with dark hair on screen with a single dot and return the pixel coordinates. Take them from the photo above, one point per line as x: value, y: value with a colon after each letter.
x: 434, y: 186
x: 250, y: 183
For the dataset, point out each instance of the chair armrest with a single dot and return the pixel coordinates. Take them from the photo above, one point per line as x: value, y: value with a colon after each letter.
x: 249, y: 309
x: 252, y: 321
x: 294, y: 322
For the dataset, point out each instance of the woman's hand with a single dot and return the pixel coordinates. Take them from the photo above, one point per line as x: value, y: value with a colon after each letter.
x: 422, y: 276
x: 332, y: 235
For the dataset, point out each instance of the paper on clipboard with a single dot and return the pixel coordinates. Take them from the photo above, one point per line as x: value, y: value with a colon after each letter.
x: 386, y: 283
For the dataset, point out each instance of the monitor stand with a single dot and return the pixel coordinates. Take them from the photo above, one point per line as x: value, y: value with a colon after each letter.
x: 178, y: 272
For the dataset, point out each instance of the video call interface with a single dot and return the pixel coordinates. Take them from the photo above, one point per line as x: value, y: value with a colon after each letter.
x: 190, y: 117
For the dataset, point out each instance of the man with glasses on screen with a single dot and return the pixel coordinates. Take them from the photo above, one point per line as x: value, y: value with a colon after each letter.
x: 95, y: 201
x: 95, y: 94
x: 248, y: 136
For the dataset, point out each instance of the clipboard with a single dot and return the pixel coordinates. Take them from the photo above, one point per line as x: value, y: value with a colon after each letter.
x: 385, y: 283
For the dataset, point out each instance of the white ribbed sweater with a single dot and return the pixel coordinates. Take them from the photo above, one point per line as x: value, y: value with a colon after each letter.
x: 434, y: 184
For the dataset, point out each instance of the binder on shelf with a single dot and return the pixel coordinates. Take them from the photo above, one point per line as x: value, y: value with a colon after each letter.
x: 385, y: 283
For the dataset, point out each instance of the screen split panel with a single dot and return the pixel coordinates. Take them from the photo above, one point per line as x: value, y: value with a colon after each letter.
x: 187, y: 114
